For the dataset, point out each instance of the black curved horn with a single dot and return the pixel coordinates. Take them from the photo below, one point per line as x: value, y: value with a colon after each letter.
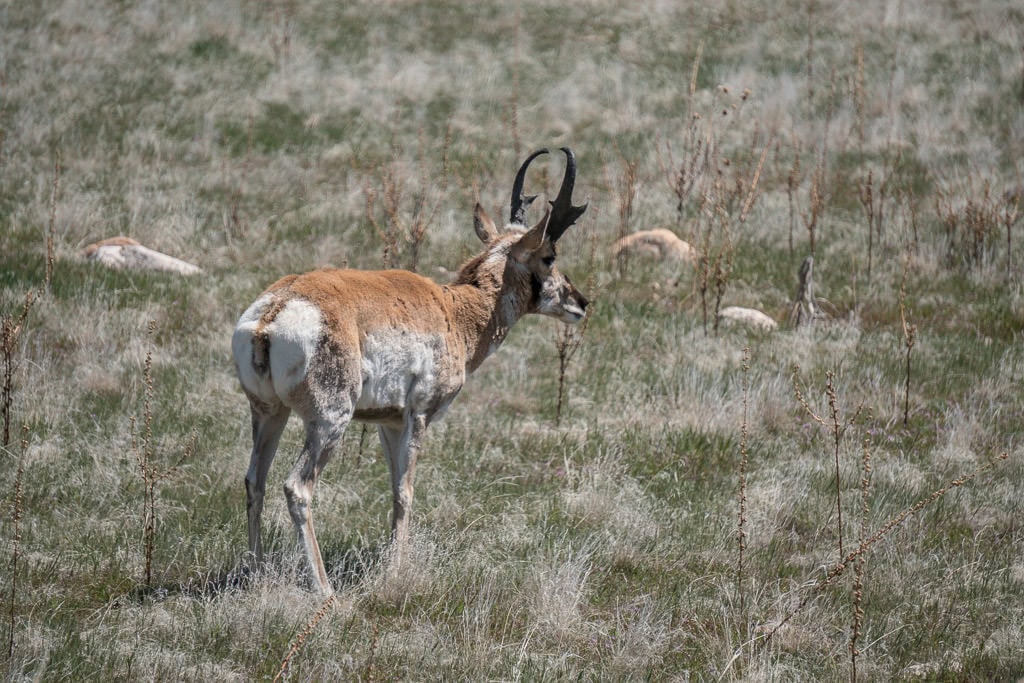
x: 563, y: 213
x: 519, y: 205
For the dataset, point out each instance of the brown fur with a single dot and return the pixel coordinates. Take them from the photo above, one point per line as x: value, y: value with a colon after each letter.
x: 119, y: 241
x: 657, y: 243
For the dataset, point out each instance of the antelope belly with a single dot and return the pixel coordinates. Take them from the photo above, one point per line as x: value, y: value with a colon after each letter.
x: 399, y: 371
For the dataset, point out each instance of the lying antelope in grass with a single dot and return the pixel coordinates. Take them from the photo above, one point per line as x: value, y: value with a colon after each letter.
x: 389, y: 347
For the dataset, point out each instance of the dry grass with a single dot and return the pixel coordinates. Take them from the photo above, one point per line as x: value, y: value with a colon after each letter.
x: 568, y: 524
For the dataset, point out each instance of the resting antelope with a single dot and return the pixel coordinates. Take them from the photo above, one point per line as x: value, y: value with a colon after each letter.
x: 388, y: 347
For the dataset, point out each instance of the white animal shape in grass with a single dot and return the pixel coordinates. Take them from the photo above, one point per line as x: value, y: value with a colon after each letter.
x: 388, y: 347
x: 126, y: 253
x: 748, y: 316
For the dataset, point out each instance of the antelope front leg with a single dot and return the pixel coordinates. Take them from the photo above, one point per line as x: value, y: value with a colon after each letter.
x: 401, y: 447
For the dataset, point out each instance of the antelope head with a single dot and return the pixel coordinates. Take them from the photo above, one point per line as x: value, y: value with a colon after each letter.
x: 531, y: 277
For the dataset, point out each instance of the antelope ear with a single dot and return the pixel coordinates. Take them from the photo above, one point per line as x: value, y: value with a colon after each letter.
x: 532, y: 240
x: 483, y: 225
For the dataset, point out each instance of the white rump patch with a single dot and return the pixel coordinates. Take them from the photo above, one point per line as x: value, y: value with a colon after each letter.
x: 293, y: 336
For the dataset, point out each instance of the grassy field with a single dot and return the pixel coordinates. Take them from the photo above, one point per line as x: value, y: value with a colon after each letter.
x: 710, y: 503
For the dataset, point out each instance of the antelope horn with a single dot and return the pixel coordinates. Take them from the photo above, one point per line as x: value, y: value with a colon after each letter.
x: 563, y: 213
x: 520, y: 204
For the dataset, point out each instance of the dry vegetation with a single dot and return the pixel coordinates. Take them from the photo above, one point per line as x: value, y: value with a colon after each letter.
x: 652, y: 500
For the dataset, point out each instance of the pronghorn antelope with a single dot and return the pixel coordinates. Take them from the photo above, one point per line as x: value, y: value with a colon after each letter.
x: 389, y: 347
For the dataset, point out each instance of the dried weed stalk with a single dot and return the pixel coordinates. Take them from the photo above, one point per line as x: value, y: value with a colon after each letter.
x: 17, y: 510
x: 683, y: 178
x: 568, y: 341
x: 872, y: 213
x: 726, y: 190
x: 300, y: 639
x: 625, y: 193
x: 403, y: 230
x: 1009, y: 214
x: 725, y: 207
x: 792, y: 183
x: 741, y: 522
x: 910, y: 209
x: 858, y: 567
x: 51, y: 228
x: 151, y: 472
x: 975, y: 225
x: 836, y: 427
x: 909, y: 339
x: 859, y: 98
x: 865, y: 545
x: 10, y: 330
x: 724, y: 257
x: 816, y: 199
x: 810, y: 8
x: 873, y: 192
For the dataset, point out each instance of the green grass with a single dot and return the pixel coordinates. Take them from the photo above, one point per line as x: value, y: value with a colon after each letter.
x: 244, y: 139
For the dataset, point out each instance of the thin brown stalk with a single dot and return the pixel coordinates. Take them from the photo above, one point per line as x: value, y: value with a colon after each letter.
x: 859, y: 101
x: 909, y: 339
x: 387, y: 236
x: 17, y: 510
x: 51, y: 228
x: 741, y: 523
x: 1009, y: 215
x: 150, y: 471
x: 858, y: 567
x: 748, y: 202
x: 881, y: 533
x: 369, y: 669
x: 910, y: 209
x: 10, y: 330
x: 300, y: 639
x: 792, y: 180
x: 568, y: 341
x: 722, y: 273
x: 704, y: 267
x: 867, y: 202
x: 403, y: 230
x: 693, y: 75
x: 626, y: 191
x: 815, y: 203
x: 836, y: 427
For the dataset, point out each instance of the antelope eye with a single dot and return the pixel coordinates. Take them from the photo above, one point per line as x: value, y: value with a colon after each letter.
x: 548, y: 261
